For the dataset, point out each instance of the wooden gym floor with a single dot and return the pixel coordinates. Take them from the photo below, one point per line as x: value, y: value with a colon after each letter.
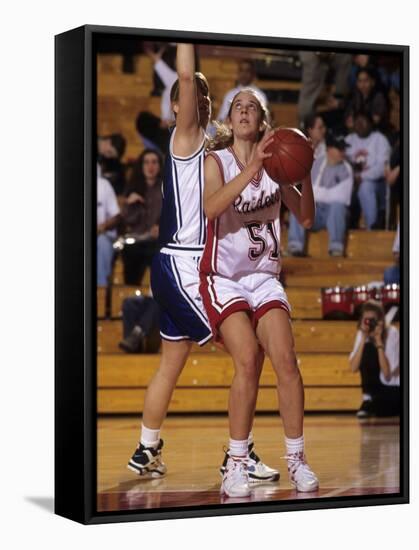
x: 350, y: 458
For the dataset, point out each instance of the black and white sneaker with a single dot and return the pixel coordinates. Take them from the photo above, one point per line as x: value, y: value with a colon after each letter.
x: 366, y: 409
x: 258, y: 472
x: 147, y: 462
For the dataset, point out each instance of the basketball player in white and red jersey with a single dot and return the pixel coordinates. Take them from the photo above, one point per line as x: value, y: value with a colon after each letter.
x: 174, y: 271
x: 245, y: 302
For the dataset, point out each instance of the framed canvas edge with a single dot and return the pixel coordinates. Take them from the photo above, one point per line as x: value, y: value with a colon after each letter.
x: 70, y: 397
x: 87, y: 513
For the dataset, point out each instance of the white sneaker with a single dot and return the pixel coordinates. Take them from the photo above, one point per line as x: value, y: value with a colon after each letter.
x: 257, y: 470
x: 235, y: 479
x: 300, y: 473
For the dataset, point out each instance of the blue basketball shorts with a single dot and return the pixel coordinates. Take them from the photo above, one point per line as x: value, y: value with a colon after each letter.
x: 175, y: 287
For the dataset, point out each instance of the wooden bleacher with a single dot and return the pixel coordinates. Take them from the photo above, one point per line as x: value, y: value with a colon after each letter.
x: 121, y: 96
x: 310, y: 335
x: 204, y: 384
x: 322, y: 346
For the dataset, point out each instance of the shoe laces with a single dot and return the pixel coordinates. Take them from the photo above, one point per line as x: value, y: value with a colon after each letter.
x: 251, y: 455
x: 297, y: 461
x: 237, y: 467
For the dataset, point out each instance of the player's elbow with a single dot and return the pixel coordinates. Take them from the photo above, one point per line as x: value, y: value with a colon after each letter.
x: 210, y: 213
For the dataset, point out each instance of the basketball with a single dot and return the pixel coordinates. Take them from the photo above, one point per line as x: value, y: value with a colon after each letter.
x: 292, y: 156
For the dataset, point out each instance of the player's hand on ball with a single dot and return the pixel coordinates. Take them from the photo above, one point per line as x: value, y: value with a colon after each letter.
x: 259, y: 154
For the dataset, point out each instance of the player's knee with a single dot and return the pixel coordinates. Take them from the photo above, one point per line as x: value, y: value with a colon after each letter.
x: 285, y: 365
x: 169, y: 372
x: 247, y: 363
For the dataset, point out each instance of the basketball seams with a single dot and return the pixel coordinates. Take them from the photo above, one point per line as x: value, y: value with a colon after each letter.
x: 291, y: 134
x: 300, y: 143
x: 292, y: 156
x: 283, y: 167
x: 284, y: 151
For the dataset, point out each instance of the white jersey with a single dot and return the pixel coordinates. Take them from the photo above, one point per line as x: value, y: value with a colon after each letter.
x: 107, y: 203
x: 182, y: 222
x: 246, y: 237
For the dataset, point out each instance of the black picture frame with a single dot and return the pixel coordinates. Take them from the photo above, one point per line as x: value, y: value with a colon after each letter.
x: 75, y: 270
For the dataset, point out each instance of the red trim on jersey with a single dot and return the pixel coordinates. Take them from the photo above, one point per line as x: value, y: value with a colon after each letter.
x: 214, y: 258
x: 256, y: 179
x: 205, y: 263
x: 214, y: 155
x: 209, y: 257
x: 264, y: 308
x: 208, y: 262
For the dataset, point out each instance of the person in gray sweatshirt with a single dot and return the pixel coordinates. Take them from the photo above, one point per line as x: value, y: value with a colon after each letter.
x: 332, y: 179
x: 369, y: 152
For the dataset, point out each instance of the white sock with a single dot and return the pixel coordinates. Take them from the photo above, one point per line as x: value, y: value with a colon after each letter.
x: 250, y: 439
x: 294, y: 445
x: 238, y: 448
x: 149, y: 438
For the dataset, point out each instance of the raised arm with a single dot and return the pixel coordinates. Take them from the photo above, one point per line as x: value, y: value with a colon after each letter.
x: 188, y: 131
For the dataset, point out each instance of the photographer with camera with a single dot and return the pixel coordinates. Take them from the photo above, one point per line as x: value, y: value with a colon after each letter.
x: 376, y: 356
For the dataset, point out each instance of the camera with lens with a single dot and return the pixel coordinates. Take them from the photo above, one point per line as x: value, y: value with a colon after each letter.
x: 371, y: 324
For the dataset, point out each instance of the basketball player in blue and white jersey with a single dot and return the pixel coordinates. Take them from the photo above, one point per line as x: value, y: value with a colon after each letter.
x: 245, y: 302
x: 174, y: 272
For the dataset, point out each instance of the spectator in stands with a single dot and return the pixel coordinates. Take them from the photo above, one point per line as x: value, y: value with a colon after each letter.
x: 153, y: 134
x: 111, y: 149
x: 332, y: 179
x: 141, y: 215
x: 315, y: 68
x: 387, y: 71
x: 315, y: 129
x: 376, y: 356
x: 168, y: 76
x: 369, y: 153
x: 367, y: 97
x: 392, y: 273
x: 108, y: 218
x: 360, y: 61
x: 245, y: 77
x: 140, y: 317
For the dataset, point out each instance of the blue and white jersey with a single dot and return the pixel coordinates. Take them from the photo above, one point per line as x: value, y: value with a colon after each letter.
x: 183, y: 223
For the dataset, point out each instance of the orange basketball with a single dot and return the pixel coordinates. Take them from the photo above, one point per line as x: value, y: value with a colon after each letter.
x: 292, y: 156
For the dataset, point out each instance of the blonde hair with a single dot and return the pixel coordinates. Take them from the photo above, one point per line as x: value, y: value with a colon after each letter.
x: 224, y: 136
